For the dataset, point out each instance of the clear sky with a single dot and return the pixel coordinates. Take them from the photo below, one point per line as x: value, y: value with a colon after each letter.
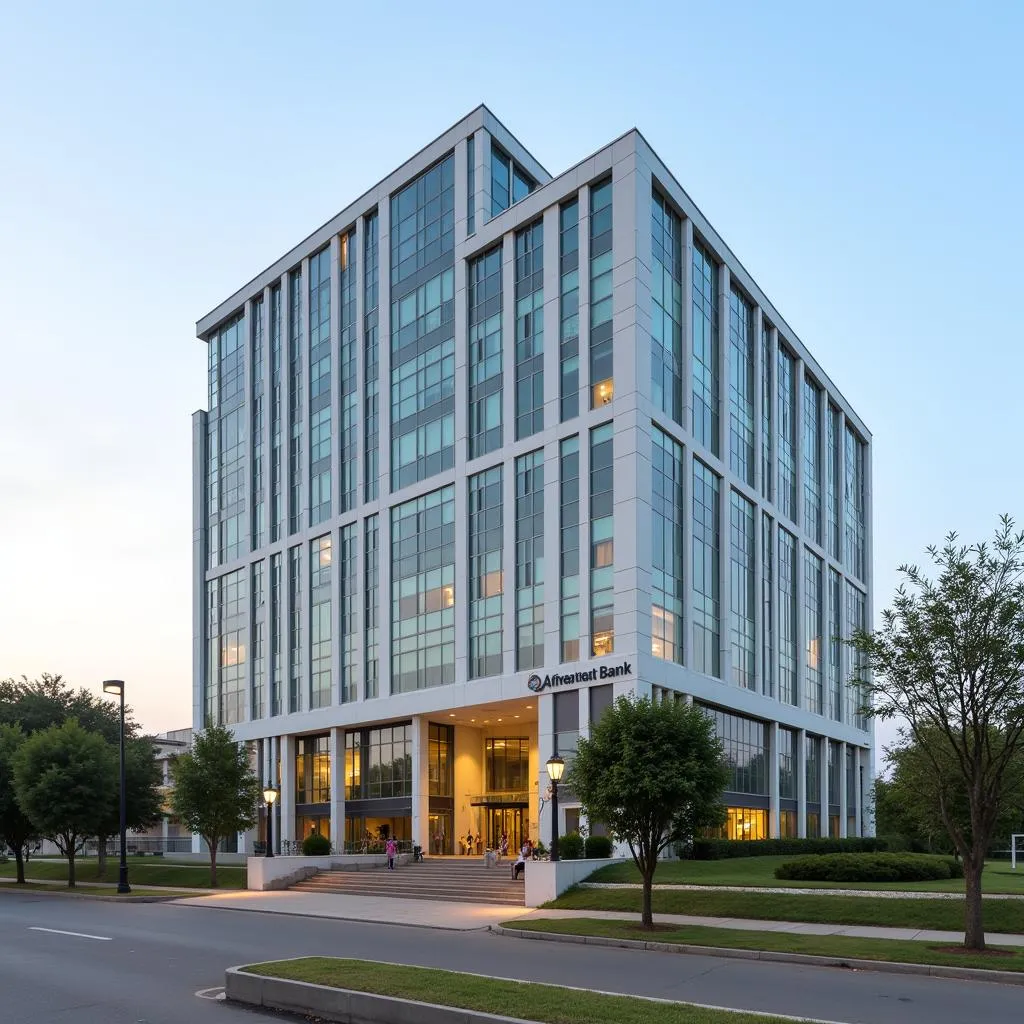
x: 864, y: 162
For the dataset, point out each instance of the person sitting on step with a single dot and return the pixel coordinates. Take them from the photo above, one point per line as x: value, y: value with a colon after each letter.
x: 519, y: 866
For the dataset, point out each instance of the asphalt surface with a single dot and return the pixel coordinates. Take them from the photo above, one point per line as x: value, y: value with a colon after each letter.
x: 145, y: 962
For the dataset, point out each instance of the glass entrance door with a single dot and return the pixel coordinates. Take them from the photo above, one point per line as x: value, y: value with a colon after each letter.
x: 441, y: 838
x: 508, y: 820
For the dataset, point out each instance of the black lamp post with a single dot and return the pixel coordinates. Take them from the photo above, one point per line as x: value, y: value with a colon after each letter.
x: 555, y: 767
x: 117, y: 686
x: 270, y: 795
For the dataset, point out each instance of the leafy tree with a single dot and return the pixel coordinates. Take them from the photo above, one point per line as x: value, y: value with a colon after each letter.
x: 215, y: 789
x: 949, y: 662
x: 654, y: 774
x: 15, y: 828
x: 65, y: 779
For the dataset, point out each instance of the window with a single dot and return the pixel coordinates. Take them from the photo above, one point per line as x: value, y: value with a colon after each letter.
x: 507, y: 764
x: 423, y: 592
x: 834, y: 470
x: 668, y: 513
x: 313, y: 770
x: 788, y: 692
x: 423, y: 221
x: 349, y: 440
x: 856, y: 618
x: 767, y: 462
x: 788, y: 764
x: 835, y: 642
x: 378, y: 763
x: 602, y: 541
x: 741, y: 387
x: 486, y: 575
x: 371, y: 577
x: 569, y: 548
x: 295, y: 628
x: 276, y: 497
x: 787, y: 434
x: 854, y: 503
x: 666, y: 309
x: 567, y: 724
x: 509, y: 182
x: 706, y: 383
x: 742, y: 593
x: 706, y: 583
x: 530, y: 330
x: 767, y: 605
x: 258, y: 647
x: 349, y: 683
x: 569, y: 309
x: 485, y: 357
x: 371, y: 356
x: 601, y: 295
x: 276, y: 662
x: 320, y: 387
x: 530, y: 560
x: 320, y: 558
x: 813, y: 605
x: 812, y: 460
x: 813, y: 785
x: 746, y: 751
x: 295, y: 497
x: 470, y: 186
x: 441, y: 760
x: 259, y: 509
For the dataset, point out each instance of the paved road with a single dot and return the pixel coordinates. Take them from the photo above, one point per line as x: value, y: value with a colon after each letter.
x: 159, y: 955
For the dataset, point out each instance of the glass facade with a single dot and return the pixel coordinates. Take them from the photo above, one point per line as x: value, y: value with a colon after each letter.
x: 295, y: 495
x: 320, y: 387
x: 812, y: 776
x: 856, y: 618
x: 320, y: 558
x: 276, y: 644
x: 788, y: 685
x: 371, y: 607
x: 746, y: 751
x: 668, y: 511
x: 706, y: 380
x: 441, y: 760
x: 835, y: 646
x: 602, y: 388
x: 742, y: 594
x: 276, y: 408
x: 666, y: 309
x: 509, y: 182
x: 471, y: 186
x: 313, y: 770
x: 787, y: 434
x: 834, y: 469
x: 378, y: 763
x: 507, y: 764
x: 371, y: 359
x: 257, y: 648
x: 423, y: 592
x: 227, y: 626
x: 706, y: 583
x: 530, y: 560
x: 569, y: 309
x: 485, y: 353
x: 295, y: 629
x: 349, y: 441
x: 530, y: 330
x: 789, y: 764
x: 741, y: 387
x: 813, y: 613
x: 767, y: 393
x: 423, y: 326
x: 812, y: 459
x: 348, y: 685
x: 258, y: 528
x: 569, y: 548
x: 602, y: 541
x: 486, y: 575
x: 767, y: 606
x: 854, y: 503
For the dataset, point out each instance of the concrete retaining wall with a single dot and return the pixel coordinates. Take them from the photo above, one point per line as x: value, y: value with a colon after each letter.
x: 546, y: 880
x: 265, y: 873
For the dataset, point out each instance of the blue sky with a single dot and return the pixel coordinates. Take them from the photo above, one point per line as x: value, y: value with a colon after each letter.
x: 864, y: 163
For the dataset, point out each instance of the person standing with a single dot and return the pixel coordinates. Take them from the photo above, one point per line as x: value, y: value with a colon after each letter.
x: 469, y: 843
x: 392, y: 849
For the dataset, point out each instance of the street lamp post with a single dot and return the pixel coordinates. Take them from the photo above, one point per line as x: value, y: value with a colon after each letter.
x: 555, y: 767
x: 270, y: 795
x: 117, y: 686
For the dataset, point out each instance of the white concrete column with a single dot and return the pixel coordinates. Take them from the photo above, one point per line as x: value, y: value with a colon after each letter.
x: 337, y: 753
x: 421, y: 781
x: 774, y: 829
x: 287, y: 796
x: 801, y: 783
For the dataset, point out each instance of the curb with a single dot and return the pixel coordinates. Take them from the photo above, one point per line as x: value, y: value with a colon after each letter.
x: 344, y: 1005
x: 879, y: 966
x: 78, y: 894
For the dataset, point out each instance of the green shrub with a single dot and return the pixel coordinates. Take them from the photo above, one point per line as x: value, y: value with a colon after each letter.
x: 597, y: 846
x: 870, y: 867
x: 316, y: 845
x: 723, y: 849
x: 570, y: 846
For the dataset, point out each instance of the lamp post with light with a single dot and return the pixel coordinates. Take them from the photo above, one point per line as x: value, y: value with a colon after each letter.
x: 555, y: 767
x: 270, y: 795
x: 117, y: 686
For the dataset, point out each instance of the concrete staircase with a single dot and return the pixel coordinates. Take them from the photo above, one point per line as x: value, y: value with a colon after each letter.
x: 462, y: 880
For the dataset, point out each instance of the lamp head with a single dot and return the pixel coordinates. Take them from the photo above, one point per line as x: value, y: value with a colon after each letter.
x: 115, y: 686
x: 270, y: 795
x: 555, y: 767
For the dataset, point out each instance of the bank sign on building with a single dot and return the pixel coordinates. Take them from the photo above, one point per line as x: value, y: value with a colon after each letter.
x: 491, y: 448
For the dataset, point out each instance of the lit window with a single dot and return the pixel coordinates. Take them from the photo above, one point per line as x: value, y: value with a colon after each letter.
x: 604, y: 392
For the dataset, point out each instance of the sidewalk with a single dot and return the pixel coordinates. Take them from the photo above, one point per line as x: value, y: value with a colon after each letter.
x: 789, y: 890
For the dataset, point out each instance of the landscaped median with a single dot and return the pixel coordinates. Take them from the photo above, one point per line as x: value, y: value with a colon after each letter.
x: 828, y: 950
x: 363, y: 990
x: 98, y: 892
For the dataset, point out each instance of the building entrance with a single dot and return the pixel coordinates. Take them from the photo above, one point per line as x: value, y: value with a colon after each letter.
x: 441, y: 838
x: 508, y: 820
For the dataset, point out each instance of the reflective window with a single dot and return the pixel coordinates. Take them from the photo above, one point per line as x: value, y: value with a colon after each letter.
x: 813, y: 607
x: 371, y: 611
x: 259, y: 508
x: 423, y: 592
x: 509, y: 182
x: 741, y: 387
x: 746, y: 751
x: 706, y: 383
x: 530, y: 330
x: 668, y: 512
x: 834, y: 469
x: 602, y: 541
x: 320, y: 633
x: 295, y: 629
x: 276, y: 612
x: 742, y: 595
x: 601, y: 295
x: 812, y: 459
x: 486, y: 575
x: 295, y: 496
x: 569, y: 309
x: 706, y: 582
x: 507, y: 764
x: 378, y: 763
x: 767, y: 461
x: 348, y: 689
x: 789, y: 764
x: 485, y: 354
x: 569, y: 548
x: 530, y: 560
x: 313, y: 769
x: 854, y: 503
x: 371, y: 350
x: 666, y: 309
x: 813, y: 785
x: 470, y: 185
x: 320, y: 387
x: 349, y: 439
x: 276, y: 496
x: 788, y: 692
x: 787, y: 434
x: 441, y: 760
x: 423, y: 222
x: 227, y: 631
x: 767, y: 605
x: 835, y: 643
x: 258, y: 650
x: 856, y: 618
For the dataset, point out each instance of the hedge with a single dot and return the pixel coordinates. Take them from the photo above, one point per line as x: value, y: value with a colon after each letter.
x: 570, y: 846
x: 316, y: 845
x: 597, y: 846
x: 723, y: 849
x: 870, y: 867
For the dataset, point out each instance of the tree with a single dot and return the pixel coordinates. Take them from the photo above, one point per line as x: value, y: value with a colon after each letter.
x: 16, y: 830
x: 215, y: 789
x: 65, y: 779
x: 949, y: 662
x: 654, y: 774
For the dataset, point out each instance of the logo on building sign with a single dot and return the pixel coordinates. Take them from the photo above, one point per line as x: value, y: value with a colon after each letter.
x: 538, y: 683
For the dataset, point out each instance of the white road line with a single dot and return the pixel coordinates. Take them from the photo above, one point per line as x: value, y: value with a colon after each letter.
x: 77, y: 935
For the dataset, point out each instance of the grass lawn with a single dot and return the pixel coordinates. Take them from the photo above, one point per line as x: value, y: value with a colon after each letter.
x: 948, y: 915
x: 549, y: 1004
x: 144, y: 870
x: 92, y: 890
x: 760, y: 871
x: 999, y: 958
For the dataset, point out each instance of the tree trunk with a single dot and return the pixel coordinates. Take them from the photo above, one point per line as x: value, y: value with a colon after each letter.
x: 71, y: 865
x: 101, y: 858
x: 974, y: 928
x: 19, y: 860
x: 213, y: 861
x: 646, y: 917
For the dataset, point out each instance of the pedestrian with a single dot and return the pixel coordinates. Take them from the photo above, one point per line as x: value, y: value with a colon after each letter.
x: 520, y: 865
x: 469, y: 843
x: 392, y: 849
x: 503, y: 846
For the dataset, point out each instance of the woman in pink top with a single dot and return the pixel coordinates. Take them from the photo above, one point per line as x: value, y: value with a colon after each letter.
x: 392, y: 850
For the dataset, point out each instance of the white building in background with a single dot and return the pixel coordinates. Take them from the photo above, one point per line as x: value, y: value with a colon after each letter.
x: 492, y: 447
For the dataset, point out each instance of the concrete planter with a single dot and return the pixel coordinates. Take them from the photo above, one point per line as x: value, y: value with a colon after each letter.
x: 546, y: 880
x: 267, y: 873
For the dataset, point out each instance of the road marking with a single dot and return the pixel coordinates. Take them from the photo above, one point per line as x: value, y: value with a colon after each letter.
x: 77, y: 935
x: 216, y: 994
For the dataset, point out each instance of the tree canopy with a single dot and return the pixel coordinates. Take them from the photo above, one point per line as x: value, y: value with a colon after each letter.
x: 948, y: 662
x: 653, y: 773
x: 16, y: 829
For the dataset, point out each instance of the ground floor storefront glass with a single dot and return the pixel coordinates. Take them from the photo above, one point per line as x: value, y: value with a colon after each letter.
x: 742, y: 823
x: 364, y: 834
